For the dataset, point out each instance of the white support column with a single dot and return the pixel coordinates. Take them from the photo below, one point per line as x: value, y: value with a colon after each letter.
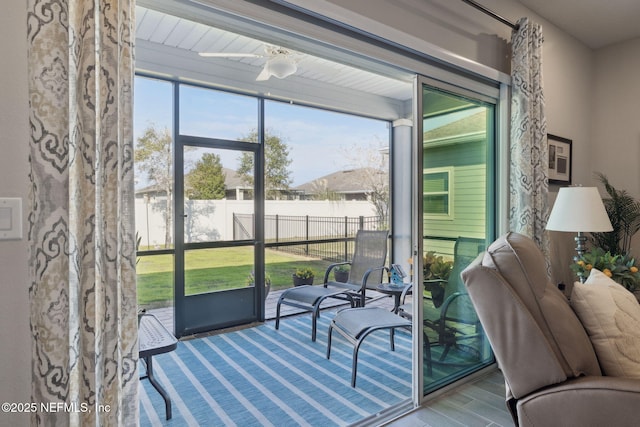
x: 401, y: 191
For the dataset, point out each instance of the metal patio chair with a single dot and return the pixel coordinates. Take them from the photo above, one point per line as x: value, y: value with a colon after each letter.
x: 452, y: 321
x: 366, y: 269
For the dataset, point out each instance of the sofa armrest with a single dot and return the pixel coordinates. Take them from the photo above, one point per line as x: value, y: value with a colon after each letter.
x: 585, y: 401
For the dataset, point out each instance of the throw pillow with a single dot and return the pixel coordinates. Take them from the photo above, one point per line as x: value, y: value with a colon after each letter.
x: 611, y: 316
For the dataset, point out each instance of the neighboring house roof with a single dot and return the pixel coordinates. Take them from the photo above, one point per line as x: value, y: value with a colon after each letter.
x: 232, y: 181
x: 154, y: 189
x: 470, y: 127
x: 357, y: 181
x: 346, y: 181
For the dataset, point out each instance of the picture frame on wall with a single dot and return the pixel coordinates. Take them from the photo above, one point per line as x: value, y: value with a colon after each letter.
x: 560, y: 151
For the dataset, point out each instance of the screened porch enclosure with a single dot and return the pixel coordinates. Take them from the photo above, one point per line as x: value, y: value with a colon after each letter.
x: 270, y: 176
x: 243, y: 206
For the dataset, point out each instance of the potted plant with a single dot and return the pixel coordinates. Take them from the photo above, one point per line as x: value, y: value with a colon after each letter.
x: 251, y: 281
x: 436, y: 274
x: 621, y: 268
x: 341, y: 273
x: 611, y: 251
x: 267, y: 285
x: 624, y: 213
x: 303, y: 276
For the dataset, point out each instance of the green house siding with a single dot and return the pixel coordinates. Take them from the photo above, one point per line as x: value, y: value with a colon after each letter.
x: 460, y: 154
x: 467, y: 165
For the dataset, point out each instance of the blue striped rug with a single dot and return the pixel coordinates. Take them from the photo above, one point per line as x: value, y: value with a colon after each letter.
x: 263, y: 377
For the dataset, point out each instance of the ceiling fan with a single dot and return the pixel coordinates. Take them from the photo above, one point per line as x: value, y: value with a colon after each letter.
x: 281, y: 62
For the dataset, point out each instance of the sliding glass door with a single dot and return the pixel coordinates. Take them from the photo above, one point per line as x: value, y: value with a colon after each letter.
x: 457, y: 211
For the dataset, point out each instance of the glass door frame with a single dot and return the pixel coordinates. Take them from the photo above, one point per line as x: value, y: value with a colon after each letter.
x: 496, y: 202
x: 192, y: 312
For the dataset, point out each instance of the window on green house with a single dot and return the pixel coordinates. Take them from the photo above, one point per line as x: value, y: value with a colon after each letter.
x: 437, y: 193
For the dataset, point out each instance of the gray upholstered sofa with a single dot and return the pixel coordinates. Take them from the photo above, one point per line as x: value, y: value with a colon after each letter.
x: 551, y: 371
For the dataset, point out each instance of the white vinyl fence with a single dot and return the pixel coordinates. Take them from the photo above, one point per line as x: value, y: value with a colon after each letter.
x: 211, y: 220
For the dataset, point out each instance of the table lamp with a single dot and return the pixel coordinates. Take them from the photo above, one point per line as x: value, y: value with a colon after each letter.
x: 579, y: 210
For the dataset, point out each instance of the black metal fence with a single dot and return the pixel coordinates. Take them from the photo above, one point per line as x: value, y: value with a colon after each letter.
x: 328, y: 238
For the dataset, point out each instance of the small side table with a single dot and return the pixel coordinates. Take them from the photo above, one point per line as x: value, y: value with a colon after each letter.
x: 396, y: 291
x: 154, y: 338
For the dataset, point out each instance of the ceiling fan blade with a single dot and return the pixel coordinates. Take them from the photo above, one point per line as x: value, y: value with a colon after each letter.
x: 229, y: 55
x: 264, y: 74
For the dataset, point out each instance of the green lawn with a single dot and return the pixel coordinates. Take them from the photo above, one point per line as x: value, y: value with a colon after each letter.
x: 209, y: 270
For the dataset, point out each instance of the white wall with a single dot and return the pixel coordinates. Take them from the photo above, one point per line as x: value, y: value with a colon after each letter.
x: 616, y: 118
x: 15, y: 344
x: 468, y: 33
x: 616, y: 115
x: 568, y: 82
x: 451, y: 25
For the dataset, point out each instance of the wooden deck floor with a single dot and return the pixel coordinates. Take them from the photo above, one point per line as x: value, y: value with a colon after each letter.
x: 165, y: 315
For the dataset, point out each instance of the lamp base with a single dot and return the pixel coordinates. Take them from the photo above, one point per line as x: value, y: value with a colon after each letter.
x: 581, y: 248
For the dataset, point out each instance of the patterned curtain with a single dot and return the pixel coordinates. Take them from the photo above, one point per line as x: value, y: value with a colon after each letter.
x: 529, y: 154
x: 82, y: 260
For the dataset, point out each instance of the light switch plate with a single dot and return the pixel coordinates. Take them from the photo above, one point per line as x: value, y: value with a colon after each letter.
x: 10, y: 218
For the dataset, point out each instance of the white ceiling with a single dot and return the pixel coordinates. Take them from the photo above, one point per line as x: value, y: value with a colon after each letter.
x: 597, y: 23
x: 175, y: 32
x: 169, y: 45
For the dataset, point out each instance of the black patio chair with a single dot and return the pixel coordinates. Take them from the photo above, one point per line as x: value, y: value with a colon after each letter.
x: 366, y: 269
x: 452, y: 322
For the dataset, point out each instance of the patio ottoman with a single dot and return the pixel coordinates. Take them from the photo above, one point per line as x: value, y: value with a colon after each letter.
x: 309, y: 298
x: 355, y: 324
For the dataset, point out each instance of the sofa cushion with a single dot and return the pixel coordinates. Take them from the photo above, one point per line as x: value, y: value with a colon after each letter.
x: 611, y: 316
x: 521, y: 263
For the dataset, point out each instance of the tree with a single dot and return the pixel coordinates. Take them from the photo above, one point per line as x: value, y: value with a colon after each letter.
x: 206, y: 179
x: 320, y: 191
x: 377, y: 181
x: 154, y: 155
x: 374, y: 163
x: 277, y: 175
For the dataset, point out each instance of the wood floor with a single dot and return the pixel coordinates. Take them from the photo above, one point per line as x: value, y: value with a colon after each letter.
x: 477, y: 403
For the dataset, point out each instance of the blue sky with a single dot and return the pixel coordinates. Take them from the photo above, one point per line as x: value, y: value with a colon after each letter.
x: 319, y: 140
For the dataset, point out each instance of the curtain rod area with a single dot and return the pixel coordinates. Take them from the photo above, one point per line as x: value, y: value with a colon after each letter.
x: 491, y: 13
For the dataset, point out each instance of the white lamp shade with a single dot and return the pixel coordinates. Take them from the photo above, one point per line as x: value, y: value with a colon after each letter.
x: 579, y: 209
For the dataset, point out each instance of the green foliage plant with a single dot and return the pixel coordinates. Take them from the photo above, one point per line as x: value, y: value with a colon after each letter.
x: 153, y: 155
x: 342, y: 268
x: 277, y: 174
x: 436, y: 267
x: 206, y: 180
x: 251, y: 279
x: 621, y: 268
x: 305, y: 273
x: 624, y: 214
